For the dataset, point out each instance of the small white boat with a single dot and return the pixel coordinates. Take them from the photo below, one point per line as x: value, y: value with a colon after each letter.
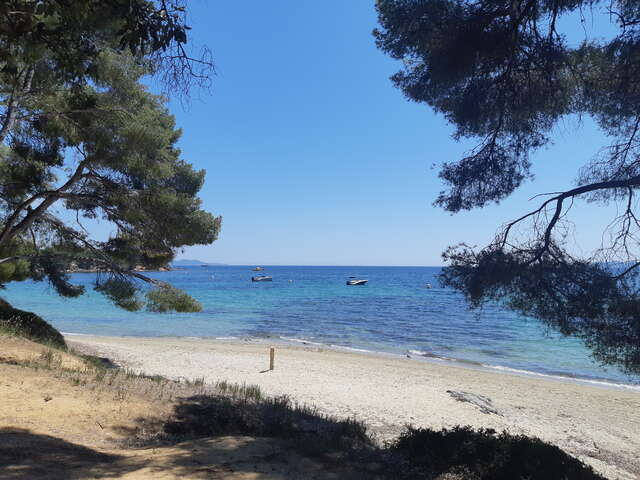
x: 356, y: 281
x: 258, y: 269
x: 262, y: 278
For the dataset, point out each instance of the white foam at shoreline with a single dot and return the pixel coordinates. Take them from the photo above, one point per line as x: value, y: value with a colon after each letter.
x: 353, y: 349
x: 423, y: 355
x: 563, y: 377
x: 433, y: 356
x: 304, y: 342
x: 329, y: 345
x: 529, y: 373
x: 470, y: 363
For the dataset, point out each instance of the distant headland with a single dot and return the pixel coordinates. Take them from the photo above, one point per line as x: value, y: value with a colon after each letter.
x: 88, y: 267
x: 186, y: 262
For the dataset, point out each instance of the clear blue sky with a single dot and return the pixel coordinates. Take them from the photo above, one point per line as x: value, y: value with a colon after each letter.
x: 314, y: 158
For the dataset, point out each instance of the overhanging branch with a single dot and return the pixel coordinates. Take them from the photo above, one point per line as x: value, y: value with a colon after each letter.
x: 628, y: 183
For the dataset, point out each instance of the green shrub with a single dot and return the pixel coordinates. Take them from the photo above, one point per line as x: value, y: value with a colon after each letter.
x: 482, y: 455
x: 252, y: 414
x: 166, y: 299
x: 29, y: 325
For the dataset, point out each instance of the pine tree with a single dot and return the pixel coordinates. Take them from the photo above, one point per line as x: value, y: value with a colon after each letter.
x: 83, y: 140
x: 504, y: 72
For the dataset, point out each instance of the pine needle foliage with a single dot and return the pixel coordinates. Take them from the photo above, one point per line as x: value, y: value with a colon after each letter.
x: 83, y: 141
x: 506, y: 73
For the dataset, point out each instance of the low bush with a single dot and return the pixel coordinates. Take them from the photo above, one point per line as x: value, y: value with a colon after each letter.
x: 483, y: 454
x: 201, y: 410
x: 251, y: 414
x: 29, y: 325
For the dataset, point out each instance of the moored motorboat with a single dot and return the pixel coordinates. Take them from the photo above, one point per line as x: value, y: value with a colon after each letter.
x: 356, y: 281
x: 262, y: 278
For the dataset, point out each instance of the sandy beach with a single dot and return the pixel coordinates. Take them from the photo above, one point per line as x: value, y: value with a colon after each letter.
x: 598, y: 424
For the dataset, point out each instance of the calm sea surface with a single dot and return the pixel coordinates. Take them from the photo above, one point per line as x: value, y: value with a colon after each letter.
x: 394, y: 313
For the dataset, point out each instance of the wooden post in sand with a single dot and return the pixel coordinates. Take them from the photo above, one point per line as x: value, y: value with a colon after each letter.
x: 272, y: 356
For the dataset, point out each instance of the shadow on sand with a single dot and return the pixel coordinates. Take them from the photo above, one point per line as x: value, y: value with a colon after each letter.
x: 26, y: 455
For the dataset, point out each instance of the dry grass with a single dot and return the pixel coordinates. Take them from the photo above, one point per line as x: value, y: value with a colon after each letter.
x: 168, y: 414
x: 221, y: 408
x: 180, y: 416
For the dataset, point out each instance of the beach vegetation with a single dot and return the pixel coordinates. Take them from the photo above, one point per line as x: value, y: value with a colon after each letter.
x: 482, y: 454
x: 417, y: 453
x: 49, y: 358
x: 505, y: 74
x: 160, y: 300
x: 246, y: 392
x: 188, y: 410
x: 245, y: 413
x: 29, y: 325
x: 83, y: 142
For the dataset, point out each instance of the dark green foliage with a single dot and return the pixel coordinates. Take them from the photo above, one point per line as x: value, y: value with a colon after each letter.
x: 463, y: 452
x: 481, y: 65
x: 122, y: 292
x: 73, y: 32
x: 504, y: 72
x: 97, y: 364
x: 167, y: 298
x: 29, y: 325
x: 482, y: 455
x: 17, y: 270
x: 577, y: 298
x: 214, y: 415
x: 83, y: 140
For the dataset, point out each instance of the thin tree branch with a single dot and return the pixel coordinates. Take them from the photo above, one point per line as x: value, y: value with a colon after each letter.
x: 559, y: 199
x: 9, y: 231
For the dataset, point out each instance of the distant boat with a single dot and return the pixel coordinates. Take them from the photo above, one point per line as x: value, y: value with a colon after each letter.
x: 356, y: 281
x: 258, y: 269
x: 428, y: 285
x: 262, y: 278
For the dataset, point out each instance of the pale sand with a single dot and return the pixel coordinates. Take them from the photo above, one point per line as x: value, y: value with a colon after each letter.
x: 55, y: 428
x: 599, y: 425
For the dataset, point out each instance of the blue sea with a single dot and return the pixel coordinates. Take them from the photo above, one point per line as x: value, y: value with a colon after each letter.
x: 394, y: 313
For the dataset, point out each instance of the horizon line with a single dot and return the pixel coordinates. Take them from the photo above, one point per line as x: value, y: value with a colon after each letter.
x: 300, y: 264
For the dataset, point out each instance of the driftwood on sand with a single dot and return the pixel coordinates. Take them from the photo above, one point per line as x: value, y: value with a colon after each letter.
x: 483, y: 403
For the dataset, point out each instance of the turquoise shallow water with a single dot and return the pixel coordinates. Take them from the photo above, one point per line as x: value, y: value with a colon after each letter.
x: 394, y: 313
